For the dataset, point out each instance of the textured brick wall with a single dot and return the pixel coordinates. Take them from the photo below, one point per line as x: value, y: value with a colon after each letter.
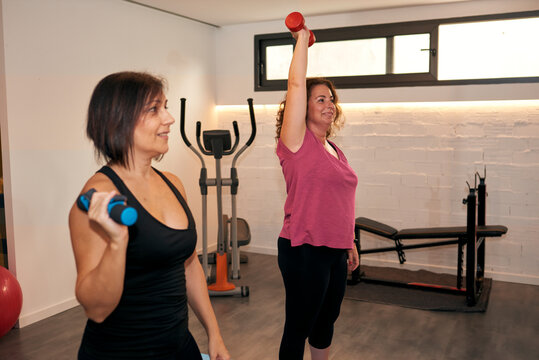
x: 413, y: 161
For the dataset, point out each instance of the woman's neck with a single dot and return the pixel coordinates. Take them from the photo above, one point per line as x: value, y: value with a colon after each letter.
x: 138, y: 168
x: 318, y: 131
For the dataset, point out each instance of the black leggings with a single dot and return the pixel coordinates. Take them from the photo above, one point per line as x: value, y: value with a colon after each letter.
x: 314, y: 280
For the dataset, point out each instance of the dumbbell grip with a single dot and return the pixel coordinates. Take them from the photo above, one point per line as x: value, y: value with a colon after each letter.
x: 116, y: 208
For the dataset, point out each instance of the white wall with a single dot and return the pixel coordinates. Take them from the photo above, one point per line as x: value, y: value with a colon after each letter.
x: 55, y: 53
x: 413, y: 149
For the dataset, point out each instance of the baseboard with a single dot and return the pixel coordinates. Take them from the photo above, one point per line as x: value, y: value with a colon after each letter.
x: 494, y: 275
x: 260, y: 249
x: 515, y: 278
x: 27, y: 319
x: 211, y: 248
x: 248, y: 248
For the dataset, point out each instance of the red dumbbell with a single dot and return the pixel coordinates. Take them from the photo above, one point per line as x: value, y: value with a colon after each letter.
x: 295, y: 22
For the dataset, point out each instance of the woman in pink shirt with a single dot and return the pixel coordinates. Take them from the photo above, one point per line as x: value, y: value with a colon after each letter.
x: 316, y: 242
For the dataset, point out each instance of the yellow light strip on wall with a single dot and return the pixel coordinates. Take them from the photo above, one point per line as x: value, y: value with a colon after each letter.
x: 441, y: 104
x: 243, y: 107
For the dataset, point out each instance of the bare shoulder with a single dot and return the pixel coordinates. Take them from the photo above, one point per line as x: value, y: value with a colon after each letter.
x: 175, y: 181
x: 98, y: 181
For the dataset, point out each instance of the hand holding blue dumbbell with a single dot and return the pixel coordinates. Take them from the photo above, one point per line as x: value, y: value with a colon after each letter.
x: 117, y: 208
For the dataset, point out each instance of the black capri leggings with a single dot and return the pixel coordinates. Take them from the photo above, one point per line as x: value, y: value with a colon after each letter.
x: 314, y: 280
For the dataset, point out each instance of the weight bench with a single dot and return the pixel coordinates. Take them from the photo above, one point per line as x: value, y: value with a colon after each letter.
x: 472, y: 237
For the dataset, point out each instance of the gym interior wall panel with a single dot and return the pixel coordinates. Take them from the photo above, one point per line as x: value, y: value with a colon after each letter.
x: 55, y: 53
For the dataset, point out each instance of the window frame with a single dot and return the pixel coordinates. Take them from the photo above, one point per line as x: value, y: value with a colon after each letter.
x: 388, y: 30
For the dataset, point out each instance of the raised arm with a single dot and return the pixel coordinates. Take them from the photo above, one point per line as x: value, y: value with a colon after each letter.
x: 293, y: 127
x: 99, y: 245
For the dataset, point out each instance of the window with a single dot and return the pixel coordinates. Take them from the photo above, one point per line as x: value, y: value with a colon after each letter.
x: 489, y: 49
x: 410, y: 54
x: 481, y: 49
x: 348, y: 58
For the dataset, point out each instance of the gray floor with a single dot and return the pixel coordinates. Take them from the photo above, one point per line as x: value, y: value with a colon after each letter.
x: 252, y: 326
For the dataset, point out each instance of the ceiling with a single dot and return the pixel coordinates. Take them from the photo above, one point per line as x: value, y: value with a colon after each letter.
x: 229, y: 12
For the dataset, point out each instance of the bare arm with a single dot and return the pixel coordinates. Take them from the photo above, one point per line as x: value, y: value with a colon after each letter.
x: 293, y: 127
x: 197, y: 294
x: 199, y: 300
x: 99, y: 245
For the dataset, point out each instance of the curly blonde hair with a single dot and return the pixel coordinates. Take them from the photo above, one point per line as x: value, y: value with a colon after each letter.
x: 337, y: 123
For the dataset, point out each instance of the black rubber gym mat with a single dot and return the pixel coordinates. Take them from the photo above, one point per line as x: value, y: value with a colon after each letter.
x: 426, y: 299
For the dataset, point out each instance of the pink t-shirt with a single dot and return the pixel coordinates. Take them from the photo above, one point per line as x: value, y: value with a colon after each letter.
x: 319, y: 208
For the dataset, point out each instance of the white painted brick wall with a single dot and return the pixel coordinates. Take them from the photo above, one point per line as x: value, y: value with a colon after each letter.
x: 413, y: 161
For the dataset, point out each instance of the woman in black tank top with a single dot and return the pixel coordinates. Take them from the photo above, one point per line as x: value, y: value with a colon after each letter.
x: 136, y: 282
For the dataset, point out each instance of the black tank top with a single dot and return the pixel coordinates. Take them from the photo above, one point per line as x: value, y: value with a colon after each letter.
x: 150, y: 321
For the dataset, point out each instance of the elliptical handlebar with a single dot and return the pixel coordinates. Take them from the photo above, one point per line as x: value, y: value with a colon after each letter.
x: 201, y: 148
x: 234, y: 124
x: 253, y: 122
x: 184, y: 136
x: 182, y: 123
x: 253, y: 132
x: 237, y: 139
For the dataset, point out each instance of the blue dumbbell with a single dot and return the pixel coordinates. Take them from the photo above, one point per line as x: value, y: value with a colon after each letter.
x: 117, y: 209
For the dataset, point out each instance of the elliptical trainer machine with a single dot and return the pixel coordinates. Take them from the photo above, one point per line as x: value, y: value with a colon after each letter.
x: 217, y: 143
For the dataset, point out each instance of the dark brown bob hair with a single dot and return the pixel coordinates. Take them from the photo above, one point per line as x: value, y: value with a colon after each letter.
x: 116, y: 105
x: 312, y: 82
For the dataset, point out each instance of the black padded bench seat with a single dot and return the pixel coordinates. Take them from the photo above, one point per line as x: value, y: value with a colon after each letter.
x: 390, y: 232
